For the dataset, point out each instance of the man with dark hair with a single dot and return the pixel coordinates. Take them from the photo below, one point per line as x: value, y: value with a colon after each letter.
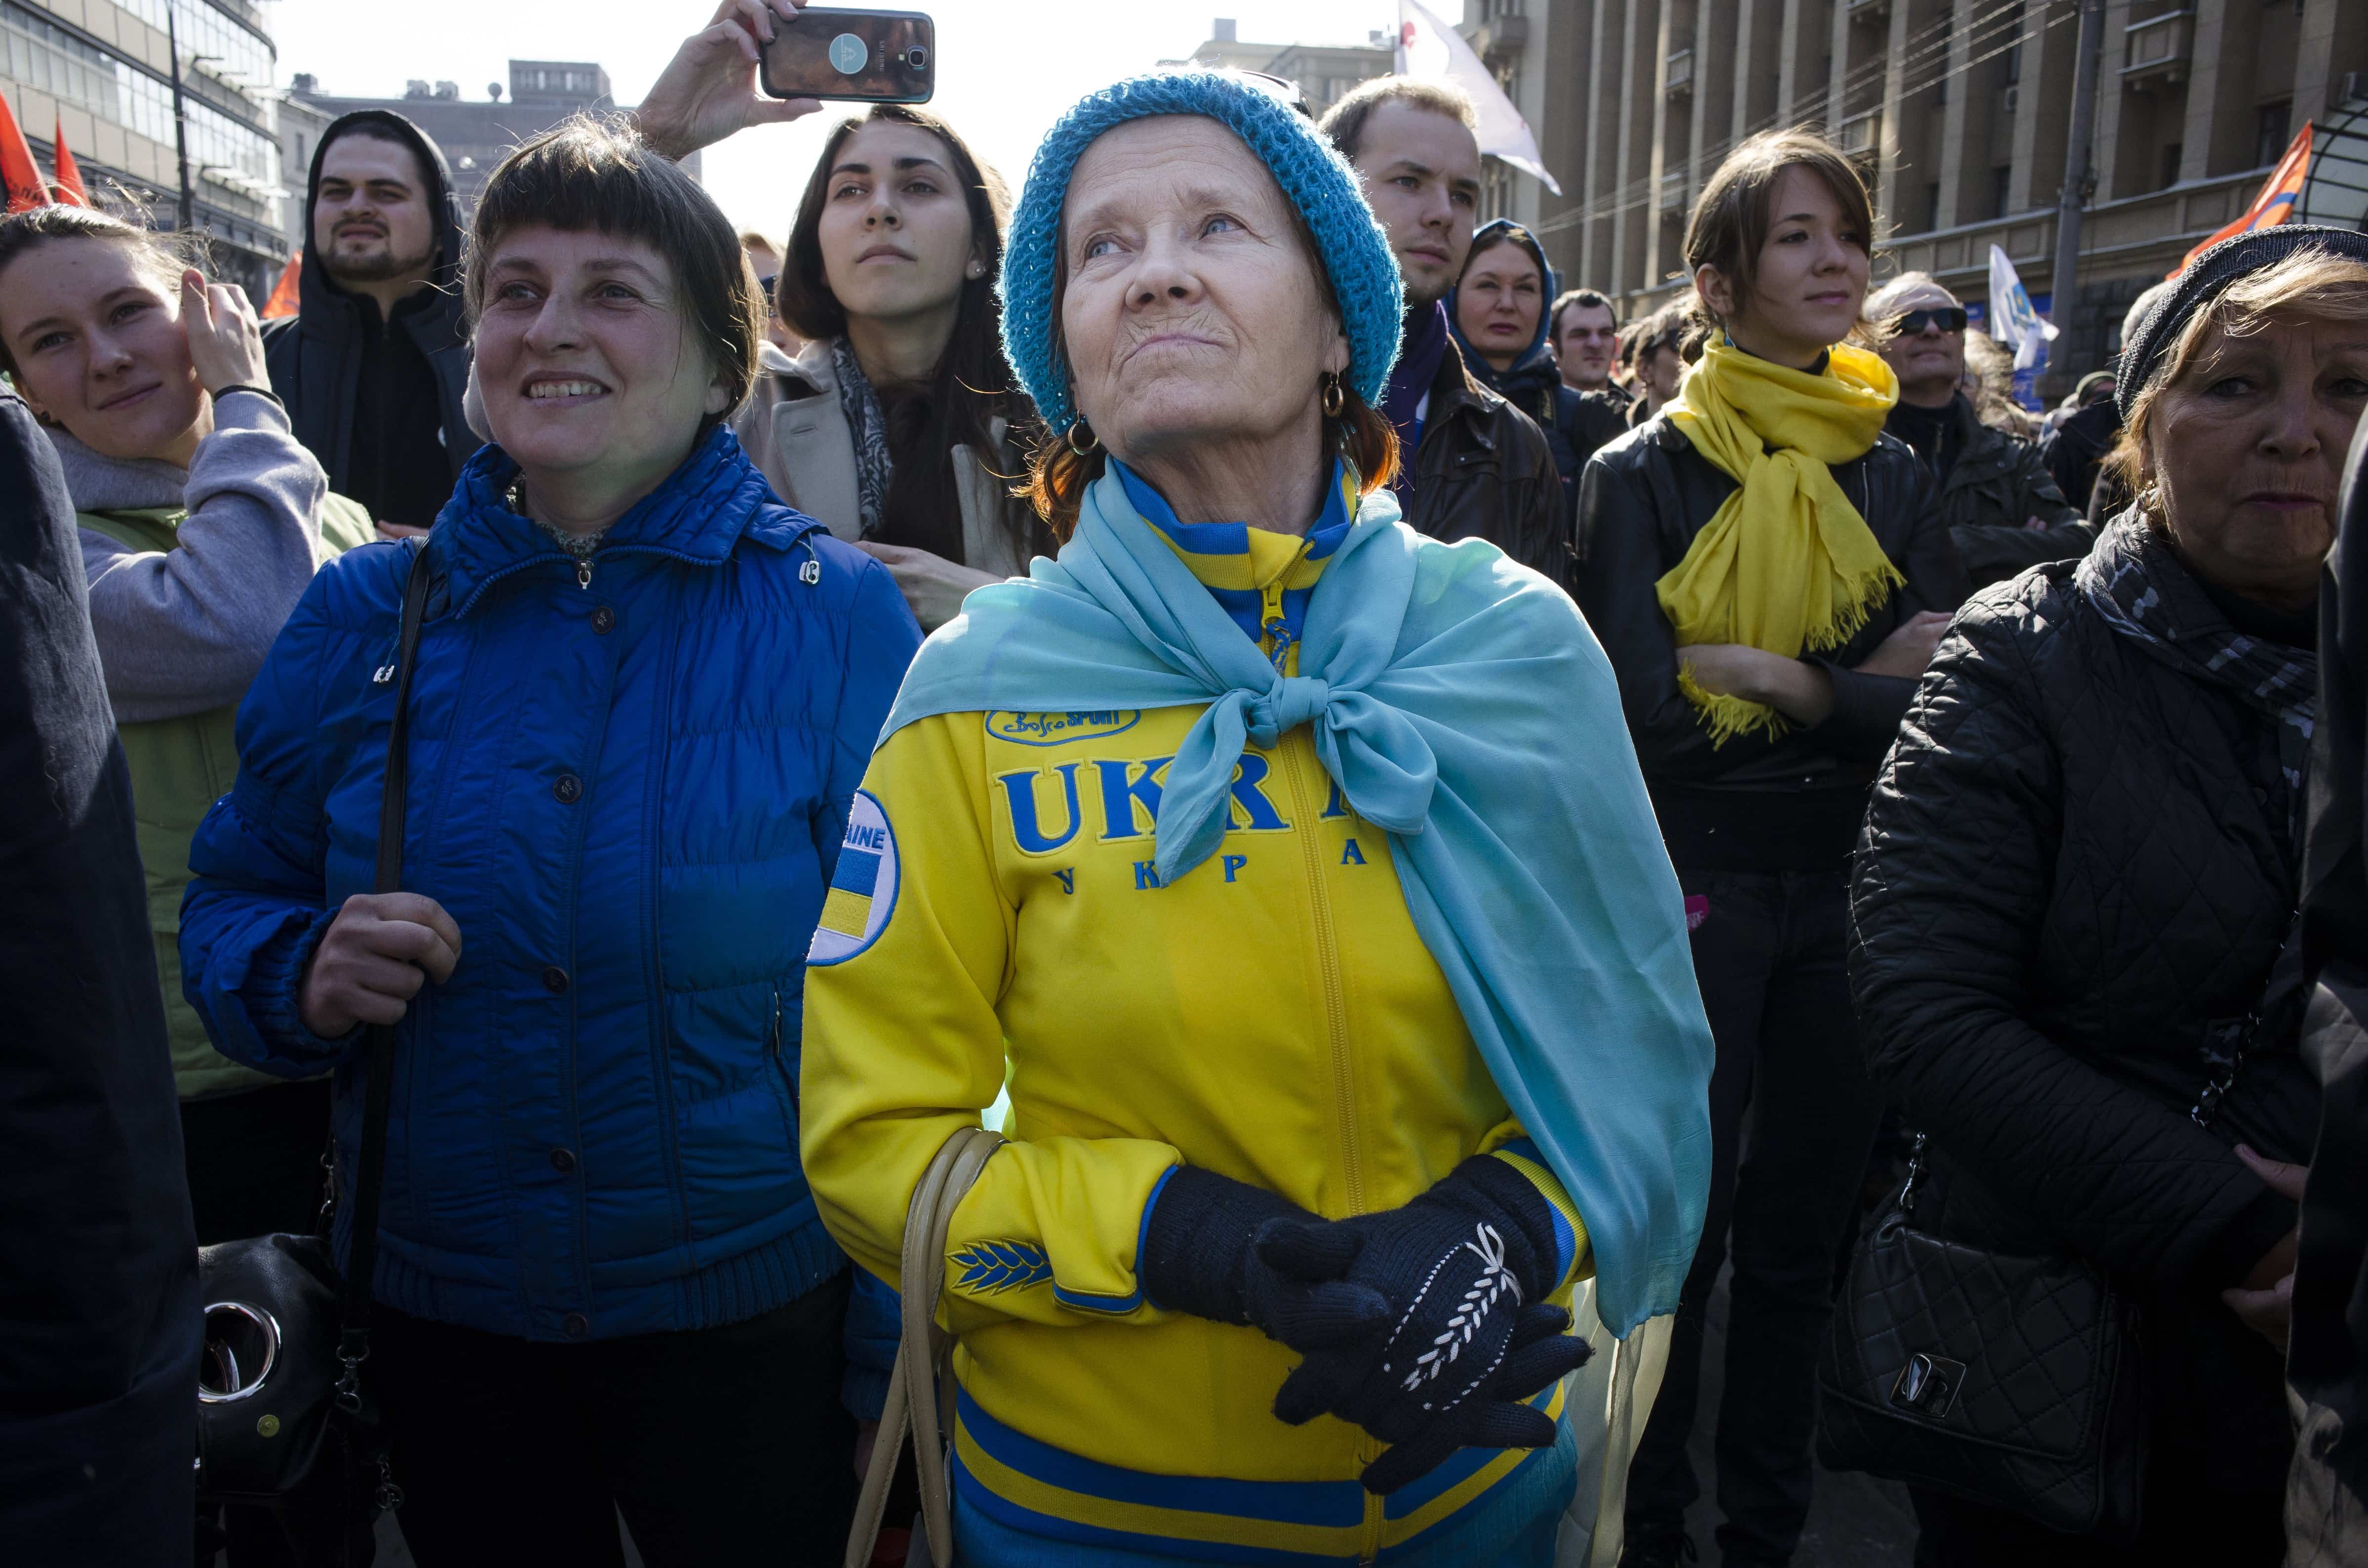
x: 1473, y: 465
x: 1585, y: 332
x: 374, y: 364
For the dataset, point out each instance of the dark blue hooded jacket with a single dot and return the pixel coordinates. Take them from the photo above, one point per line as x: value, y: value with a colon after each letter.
x: 630, y: 796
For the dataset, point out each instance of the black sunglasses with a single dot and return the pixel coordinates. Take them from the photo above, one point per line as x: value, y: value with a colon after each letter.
x: 1951, y: 319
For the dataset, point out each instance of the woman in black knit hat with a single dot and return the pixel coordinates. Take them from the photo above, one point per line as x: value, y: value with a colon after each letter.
x: 2074, y: 903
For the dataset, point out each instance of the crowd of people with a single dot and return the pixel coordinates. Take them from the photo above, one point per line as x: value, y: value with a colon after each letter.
x: 1027, y: 666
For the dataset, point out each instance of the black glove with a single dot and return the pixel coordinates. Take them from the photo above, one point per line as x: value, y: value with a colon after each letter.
x: 1199, y: 1257
x: 1466, y: 1340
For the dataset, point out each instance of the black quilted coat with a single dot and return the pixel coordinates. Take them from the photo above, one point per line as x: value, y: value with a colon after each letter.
x: 2080, y: 861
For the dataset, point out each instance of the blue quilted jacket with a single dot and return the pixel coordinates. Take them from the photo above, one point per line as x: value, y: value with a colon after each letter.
x: 630, y: 796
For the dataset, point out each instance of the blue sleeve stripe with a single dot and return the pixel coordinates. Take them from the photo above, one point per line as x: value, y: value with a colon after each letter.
x: 1083, y: 1302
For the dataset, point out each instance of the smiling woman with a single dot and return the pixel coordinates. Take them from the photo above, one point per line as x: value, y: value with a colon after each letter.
x: 645, y: 690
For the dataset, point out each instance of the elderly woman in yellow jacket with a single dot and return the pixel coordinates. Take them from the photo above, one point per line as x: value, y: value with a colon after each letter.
x: 1301, y: 871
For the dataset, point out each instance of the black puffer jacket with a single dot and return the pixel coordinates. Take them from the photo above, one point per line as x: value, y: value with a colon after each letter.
x: 1793, y: 803
x: 2078, y: 874
x: 2328, y: 1505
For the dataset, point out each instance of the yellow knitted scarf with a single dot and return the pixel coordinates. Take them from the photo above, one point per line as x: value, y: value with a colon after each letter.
x: 1786, y: 564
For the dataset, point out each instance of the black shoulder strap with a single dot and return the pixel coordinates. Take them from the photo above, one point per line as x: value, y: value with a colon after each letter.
x: 361, y: 1257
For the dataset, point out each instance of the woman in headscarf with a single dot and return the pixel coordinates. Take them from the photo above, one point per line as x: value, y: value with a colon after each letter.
x: 1497, y: 312
x: 2076, y: 953
x: 1298, y: 869
x: 1764, y: 572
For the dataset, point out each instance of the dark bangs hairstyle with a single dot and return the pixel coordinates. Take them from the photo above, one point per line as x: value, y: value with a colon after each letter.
x: 1059, y: 475
x: 597, y: 175
x: 1730, y: 221
x: 972, y: 385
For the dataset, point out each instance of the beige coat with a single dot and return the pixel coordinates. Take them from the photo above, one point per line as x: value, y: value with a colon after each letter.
x: 802, y: 442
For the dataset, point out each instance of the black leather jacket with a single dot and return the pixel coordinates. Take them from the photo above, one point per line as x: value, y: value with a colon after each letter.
x: 1755, y: 803
x: 1483, y: 470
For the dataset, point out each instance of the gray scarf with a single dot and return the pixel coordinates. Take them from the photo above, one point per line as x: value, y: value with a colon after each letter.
x: 2138, y: 585
x: 874, y: 469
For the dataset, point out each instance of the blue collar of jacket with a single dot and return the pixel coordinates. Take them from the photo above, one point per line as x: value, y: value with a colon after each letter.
x: 710, y: 502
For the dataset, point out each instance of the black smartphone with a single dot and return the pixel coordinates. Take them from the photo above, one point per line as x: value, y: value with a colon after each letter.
x: 880, y: 57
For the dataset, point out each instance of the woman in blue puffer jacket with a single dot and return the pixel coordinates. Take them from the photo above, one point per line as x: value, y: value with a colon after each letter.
x: 645, y: 694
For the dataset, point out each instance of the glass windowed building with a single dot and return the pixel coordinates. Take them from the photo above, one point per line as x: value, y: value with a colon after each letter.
x: 103, y: 71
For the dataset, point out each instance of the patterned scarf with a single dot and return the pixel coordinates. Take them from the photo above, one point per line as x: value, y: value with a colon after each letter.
x: 873, y: 468
x: 2138, y: 585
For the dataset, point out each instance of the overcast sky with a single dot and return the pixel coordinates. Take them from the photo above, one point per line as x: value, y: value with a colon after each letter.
x: 1006, y: 68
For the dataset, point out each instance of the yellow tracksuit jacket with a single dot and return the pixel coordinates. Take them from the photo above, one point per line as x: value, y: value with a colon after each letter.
x: 1273, y: 1016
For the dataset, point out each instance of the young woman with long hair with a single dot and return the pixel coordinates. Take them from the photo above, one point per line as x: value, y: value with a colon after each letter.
x: 1764, y: 571
x: 893, y: 425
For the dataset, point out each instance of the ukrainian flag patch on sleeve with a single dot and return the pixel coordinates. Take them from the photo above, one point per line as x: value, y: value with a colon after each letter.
x: 862, y: 889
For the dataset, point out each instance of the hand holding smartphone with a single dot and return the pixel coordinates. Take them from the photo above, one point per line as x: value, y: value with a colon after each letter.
x: 864, y: 56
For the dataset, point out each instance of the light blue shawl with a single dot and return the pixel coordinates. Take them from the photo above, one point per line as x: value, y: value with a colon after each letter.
x: 1462, y: 704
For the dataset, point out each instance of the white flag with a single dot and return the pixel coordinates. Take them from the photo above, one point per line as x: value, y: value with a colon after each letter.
x: 2013, y: 321
x: 1429, y: 47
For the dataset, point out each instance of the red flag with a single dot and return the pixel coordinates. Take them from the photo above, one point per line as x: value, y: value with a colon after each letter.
x: 284, y: 299
x: 21, y: 175
x: 71, y: 189
x: 2273, y: 206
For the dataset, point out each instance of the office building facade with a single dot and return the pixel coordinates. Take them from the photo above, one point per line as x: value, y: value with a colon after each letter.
x: 1959, y: 112
x: 475, y: 134
x: 103, y: 71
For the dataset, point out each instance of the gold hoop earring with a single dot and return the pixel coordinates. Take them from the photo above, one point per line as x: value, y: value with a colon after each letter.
x: 1334, y: 400
x: 1093, y: 442
x: 2150, y: 500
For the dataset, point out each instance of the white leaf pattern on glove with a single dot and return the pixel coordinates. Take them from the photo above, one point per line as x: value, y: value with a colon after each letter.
x: 1496, y: 1281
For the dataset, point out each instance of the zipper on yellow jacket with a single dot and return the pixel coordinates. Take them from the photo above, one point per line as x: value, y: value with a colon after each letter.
x: 1297, y: 752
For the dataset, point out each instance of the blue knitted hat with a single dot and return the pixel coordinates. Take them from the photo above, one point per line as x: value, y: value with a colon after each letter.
x: 1317, y: 179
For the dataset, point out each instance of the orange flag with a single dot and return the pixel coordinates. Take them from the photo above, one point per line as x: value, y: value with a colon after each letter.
x: 2273, y: 206
x: 22, y: 176
x: 284, y: 301
x: 71, y: 189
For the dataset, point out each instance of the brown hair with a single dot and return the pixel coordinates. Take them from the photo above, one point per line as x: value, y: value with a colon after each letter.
x: 2311, y: 284
x: 971, y: 389
x: 1730, y: 221
x: 594, y: 175
x: 1344, y: 123
x: 1058, y: 474
x: 23, y: 232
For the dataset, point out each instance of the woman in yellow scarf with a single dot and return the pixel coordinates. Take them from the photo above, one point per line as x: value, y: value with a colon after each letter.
x: 1759, y: 561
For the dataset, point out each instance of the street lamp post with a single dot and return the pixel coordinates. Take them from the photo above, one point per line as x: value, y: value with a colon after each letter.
x: 180, y: 120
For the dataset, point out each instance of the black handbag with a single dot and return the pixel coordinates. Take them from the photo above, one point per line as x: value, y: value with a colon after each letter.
x: 281, y: 1383
x: 2010, y: 1381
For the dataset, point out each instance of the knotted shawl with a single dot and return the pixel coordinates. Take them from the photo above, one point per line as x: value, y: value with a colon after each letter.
x: 1786, y: 564
x: 1462, y: 705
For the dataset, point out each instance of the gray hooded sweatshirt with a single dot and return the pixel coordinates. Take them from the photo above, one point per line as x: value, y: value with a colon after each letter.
x: 184, y: 631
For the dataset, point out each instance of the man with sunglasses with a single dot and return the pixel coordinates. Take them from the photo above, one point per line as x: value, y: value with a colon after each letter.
x: 2002, y: 509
